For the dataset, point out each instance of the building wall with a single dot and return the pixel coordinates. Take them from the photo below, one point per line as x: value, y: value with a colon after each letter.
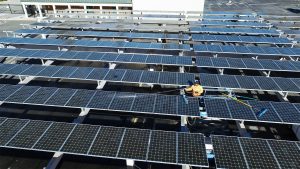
x: 168, y: 5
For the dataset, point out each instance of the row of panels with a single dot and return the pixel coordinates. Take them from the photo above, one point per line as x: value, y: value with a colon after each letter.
x: 106, y: 34
x: 114, y: 27
x: 246, y: 31
x: 104, y: 141
x: 207, y: 62
x: 98, y: 74
x: 228, y: 23
x: 260, y: 83
x: 278, y: 112
x: 95, y: 44
x: 239, y: 39
x: 247, y: 153
x: 249, y: 50
x: 100, y: 100
x: 252, y: 64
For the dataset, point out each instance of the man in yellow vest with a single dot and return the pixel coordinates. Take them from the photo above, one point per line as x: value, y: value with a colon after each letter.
x: 196, y: 89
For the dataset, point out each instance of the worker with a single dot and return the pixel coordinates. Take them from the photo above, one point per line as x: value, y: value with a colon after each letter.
x: 196, y: 89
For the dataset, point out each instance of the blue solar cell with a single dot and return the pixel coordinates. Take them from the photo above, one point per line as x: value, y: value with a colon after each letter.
x: 65, y: 72
x: 49, y: 71
x: 214, y: 48
x: 81, y: 73
x: 186, y: 78
x: 200, y: 48
x: 242, y: 49
x: 81, y: 98
x: 267, y: 83
x: 239, y: 111
x: 139, y: 58
x: 287, y: 112
x: 296, y: 65
x: 149, y: 77
x: 60, y: 97
x: 122, y: 101
x: 228, y: 81
x: 228, y: 49
x: 68, y: 55
x: 97, y: 74
x: 271, y: 114
x: 184, y: 60
x: 220, y: 62
x: 165, y: 104
x: 270, y: 51
x: 204, y: 61
x: 247, y: 82
x: 17, y: 69
x: 252, y: 64
x: 124, y: 58
x: 95, y: 56
x: 22, y: 94
x: 110, y: 57
x: 269, y: 65
x: 105, y: 96
x: 286, y: 51
x: 29, y: 53
x: 286, y: 84
x: 156, y: 59
x: 33, y: 70
x: 285, y: 65
x: 132, y: 76
x: 256, y: 50
x: 236, y: 63
x: 81, y: 55
x: 115, y: 75
x: 209, y: 80
x: 172, y: 60
x: 167, y: 78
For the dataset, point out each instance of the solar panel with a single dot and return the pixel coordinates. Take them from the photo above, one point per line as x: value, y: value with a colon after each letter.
x: 142, y: 103
x: 220, y: 62
x: 115, y: 75
x: 252, y: 64
x: 6, y: 67
x: 258, y: 153
x: 149, y: 77
x: 122, y: 101
x: 49, y: 71
x: 247, y: 82
x: 81, y: 73
x: 60, y: 97
x: 217, y: 108
x: 134, y: 144
x: 269, y: 65
x: 284, y: 65
x: 209, y: 80
x: 191, y: 108
x: 287, y: 112
x: 107, y: 142
x: 204, y: 61
x: 124, y: 58
x: 162, y: 147
x: 66, y: 71
x: 101, y: 99
x: 267, y: 83
x: 172, y: 60
x: 110, y: 57
x: 98, y: 74
x: 54, y: 137
x: 132, y: 76
x: 167, y: 78
x: 228, y: 81
x: 81, y: 98
x: 80, y: 139
x: 286, y: 84
x: 194, y: 152
x: 22, y: 94
x: 228, y: 152
x: 271, y: 114
x: 240, y: 111
x: 8, y: 90
x: 154, y: 59
x: 41, y: 95
x: 185, y: 78
x: 33, y: 70
x: 236, y: 63
x: 287, y: 153
x: 165, y: 104
x: 139, y: 58
x: 29, y: 134
x: 17, y: 69
x: 10, y: 128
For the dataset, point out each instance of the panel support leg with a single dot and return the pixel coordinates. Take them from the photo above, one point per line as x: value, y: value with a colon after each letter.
x: 268, y: 73
x: 25, y: 10
x: 54, y: 161
x: 21, y: 80
x: 285, y: 95
x: 44, y: 36
x: 43, y: 63
x: 180, y: 53
x: 215, y: 55
x: 181, y: 69
x: 183, y: 124
x: 242, y: 129
x: 221, y: 71
x: 130, y: 164
x: 185, y: 166
x: 101, y: 84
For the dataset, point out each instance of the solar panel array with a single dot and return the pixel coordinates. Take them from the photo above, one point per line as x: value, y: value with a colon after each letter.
x: 227, y: 23
x: 277, y: 112
x: 129, y: 35
x: 250, y: 50
x: 229, y: 63
x: 100, y: 100
x: 246, y: 63
x: 98, y: 74
x: 240, y: 39
x: 228, y: 17
x: 250, y: 82
x: 103, y: 141
x: 246, y: 31
x: 94, y: 44
x: 98, y: 56
x: 237, y: 153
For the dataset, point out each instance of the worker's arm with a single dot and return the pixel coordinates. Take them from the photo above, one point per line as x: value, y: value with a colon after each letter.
x: 188, y: 89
